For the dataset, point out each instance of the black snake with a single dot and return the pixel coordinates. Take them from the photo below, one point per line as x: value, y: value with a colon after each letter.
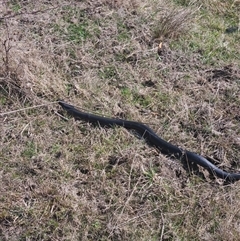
x: 148, y: 134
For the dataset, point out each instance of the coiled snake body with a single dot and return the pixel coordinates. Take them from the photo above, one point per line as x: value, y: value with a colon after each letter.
x: 148, y: 134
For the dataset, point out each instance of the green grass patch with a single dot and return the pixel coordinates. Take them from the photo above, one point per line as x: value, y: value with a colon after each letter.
x: 123, y: 32
x: 77, y: 32
x: 76, y: 27
x: 108, y: 72
x: 209, y: 37
x: 30, y: 150
x: 134, y: 97
x: 15, y: 6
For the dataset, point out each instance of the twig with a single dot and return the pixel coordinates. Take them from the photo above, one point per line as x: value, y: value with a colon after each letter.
x: 134, y: 218
x: 7, y: 47
x: 66, y: 119
x: 27, y: 108
x: 33, y: 12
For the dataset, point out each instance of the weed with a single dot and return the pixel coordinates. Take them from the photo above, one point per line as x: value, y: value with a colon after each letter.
x: 126, y: 92
x: 134, y: 97
x: 123, y: 32
x: 150, y: 175
x: 15, y: 6
x: 108, y: 72
x: 30, y: 150
x: 77, y: 32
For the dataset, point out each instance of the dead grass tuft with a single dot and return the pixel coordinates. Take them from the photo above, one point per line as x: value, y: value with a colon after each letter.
x: 173, y: 22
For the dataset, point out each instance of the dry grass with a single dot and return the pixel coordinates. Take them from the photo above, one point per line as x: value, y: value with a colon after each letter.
x: 67, y: 180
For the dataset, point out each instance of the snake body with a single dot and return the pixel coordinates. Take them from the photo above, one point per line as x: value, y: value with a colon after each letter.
x: 148, y: 134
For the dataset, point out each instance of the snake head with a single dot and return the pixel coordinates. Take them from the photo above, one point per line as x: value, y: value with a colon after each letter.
x: 65, y: 106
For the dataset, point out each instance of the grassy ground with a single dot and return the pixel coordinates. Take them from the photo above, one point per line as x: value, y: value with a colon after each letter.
x: 68, y: 180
